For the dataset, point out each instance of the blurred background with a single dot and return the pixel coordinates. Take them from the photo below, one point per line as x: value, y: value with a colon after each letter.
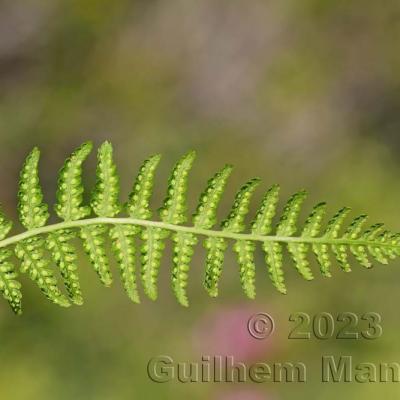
x: 305, y: 94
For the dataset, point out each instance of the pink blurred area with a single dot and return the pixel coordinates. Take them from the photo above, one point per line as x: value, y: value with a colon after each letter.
x: 224, y: 332
x: 245, y: 394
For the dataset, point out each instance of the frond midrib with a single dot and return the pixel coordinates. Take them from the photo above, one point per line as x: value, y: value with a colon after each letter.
x: 190, y: 229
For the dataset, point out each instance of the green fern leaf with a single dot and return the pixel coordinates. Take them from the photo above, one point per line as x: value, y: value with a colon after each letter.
x: 138, y: 207
x: 205, y: 217
x: 298, y: 252
x: 355, y: 228
x: 33, y: 213
x: 122, y: 237
x: 104, y: 203
x: 287, y: 223
x: 321, y: 250
x: 70, y: 188
x: 287, y: 227
x: 245, y: 254
x: 262, y: 224
x: 353, y: 232
x: 234, y: 222
x: 9, y: 286
x: 5, y: 225
x: 138, y: 203
x: 174, y: 208
x: 215, y: 247
x: 183, y: 252
x: 273, y: 258
x: 244, y: 249
x: 392, y: 243
x: 30, y: 252
x: 370, y: 235
x: 379, y: 252
x: 105, y: 195
x: 312, y: 226
x: 372, y: 232
x: 334, y: 225
x: 151, y: 253
x: 64, y: 255
x: 172, y: 212
x: 94, y: 246
x: 69, y: 207
x: 247, y: 270
x: 332, y: 232
x: 311, y: 230
x: 385, y: 238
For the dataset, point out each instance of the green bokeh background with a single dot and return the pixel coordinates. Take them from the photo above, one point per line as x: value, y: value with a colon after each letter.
x: 305, y: 94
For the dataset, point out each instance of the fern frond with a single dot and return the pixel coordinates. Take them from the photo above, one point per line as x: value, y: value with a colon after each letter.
x: 32, y: 245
